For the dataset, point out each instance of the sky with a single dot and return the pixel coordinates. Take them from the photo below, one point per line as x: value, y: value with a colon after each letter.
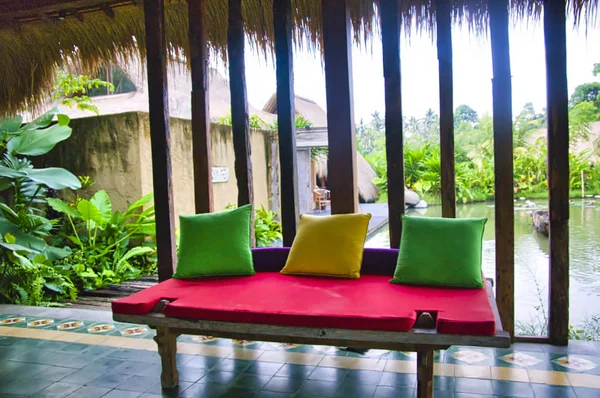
x: 472, y: 71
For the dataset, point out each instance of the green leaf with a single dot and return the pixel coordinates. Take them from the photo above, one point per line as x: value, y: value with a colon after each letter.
x: 55, y: 178
x: 63, y: 119
x: 56, y: 253
x: 16, y: 248
x: 5, y: 184
x: 139, y: 203
x: 89, y: 212
x: 33, y: 242
x: 40, y: 259
x: 62, y: 207
x: 8, y: 212
x: 7, y: 172
x: 102, y: 203
x: 74, y: 239
x: 22, y: 260
x: 134, y: 252
x: 42, y: 121
x: 38, y: 142
x: 12, y: 124
x: 54, y: 287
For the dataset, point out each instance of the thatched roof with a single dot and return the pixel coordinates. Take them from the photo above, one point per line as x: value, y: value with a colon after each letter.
x: 308, y: 108
x: 39, y: 35
x: 367, y: 190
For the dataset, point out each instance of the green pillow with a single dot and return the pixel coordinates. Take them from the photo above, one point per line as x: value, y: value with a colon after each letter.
x: 440, y: 251
x: 215, y: 244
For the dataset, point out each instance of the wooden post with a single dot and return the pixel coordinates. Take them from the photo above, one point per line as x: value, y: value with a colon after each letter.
x: 203, y: 195
x: 394, y: 140
x: 558, y: 168
x: 425, y: 374
x: 167, y: 349
x: 286, y: 118
x: 240, y: 123
x: 337, y: 42
x: 156, y: 59
x: 503, y: 164
x: 443, y: 12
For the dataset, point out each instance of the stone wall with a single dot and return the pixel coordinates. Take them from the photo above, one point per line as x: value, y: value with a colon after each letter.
x: 115, y: 151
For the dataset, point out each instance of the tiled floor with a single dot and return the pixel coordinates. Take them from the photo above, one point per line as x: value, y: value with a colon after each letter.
x: 64, y: 352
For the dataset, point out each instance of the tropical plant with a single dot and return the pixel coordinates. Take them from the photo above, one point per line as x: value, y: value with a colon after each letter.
x: 72, y: 90
x: 25, y: 185
x: 100, y: 239
x: 300, y: 123
x: 28, y: 278
x: 254, y: 121
x: 267, y: 229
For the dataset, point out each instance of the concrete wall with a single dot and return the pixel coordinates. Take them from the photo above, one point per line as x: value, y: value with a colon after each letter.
x: 115, y: 151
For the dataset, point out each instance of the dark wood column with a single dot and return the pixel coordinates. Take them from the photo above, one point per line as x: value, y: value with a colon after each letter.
x: 156, y: 59
x: 239, y: 103
x: 286, y: 118
x: 503, y: 164
x: 394, y: 140
x: 203, y: 195
x: 558, y: 168
x: 444, y: 46
x: 337, y: 49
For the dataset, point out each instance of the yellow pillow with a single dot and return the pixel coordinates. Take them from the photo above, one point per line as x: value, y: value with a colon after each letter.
x: 328, y: 246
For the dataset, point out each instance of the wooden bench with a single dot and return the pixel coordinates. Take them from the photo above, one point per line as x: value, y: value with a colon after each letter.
x: 422, y: 338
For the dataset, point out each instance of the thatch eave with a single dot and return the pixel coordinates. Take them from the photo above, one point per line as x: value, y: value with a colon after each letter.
x: 41, y: 35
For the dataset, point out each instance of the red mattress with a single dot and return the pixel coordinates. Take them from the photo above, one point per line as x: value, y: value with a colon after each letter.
x: 368, y: 303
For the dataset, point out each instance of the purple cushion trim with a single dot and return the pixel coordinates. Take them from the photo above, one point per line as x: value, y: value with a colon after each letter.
x: 375, y: 261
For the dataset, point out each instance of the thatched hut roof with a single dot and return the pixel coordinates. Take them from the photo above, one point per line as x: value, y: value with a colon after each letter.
x: 37, y: 36
x: 367, y: 190
x: 308, y: 108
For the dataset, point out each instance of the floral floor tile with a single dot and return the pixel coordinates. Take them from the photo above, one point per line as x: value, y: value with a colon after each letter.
x: 100, y: 328
x: 520, y: 359
x: 246, y: 343
x: 40, y: 323
x: 70, y: 325
x: 12, y: 320
x: 576, y: 363
x: 134, y: 331
x: 203, y: 339
x: 469, y: 356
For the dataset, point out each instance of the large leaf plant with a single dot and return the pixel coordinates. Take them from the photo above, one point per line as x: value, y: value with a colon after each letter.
x: 24, y: 186
x: 100, y: 239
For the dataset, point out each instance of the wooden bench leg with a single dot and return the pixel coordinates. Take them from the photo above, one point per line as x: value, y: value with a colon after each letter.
x: 167, y: 349
x: 425, y: 374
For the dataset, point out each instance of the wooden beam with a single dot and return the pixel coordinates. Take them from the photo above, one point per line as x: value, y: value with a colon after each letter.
x: 503, y: 164
x: 239, y: 103
x: 394, y: 140
x: 443, y: 13
x: 156, y: 58
x: 201, y: 152
x: 558, y: 168
x: 337, y: 49
x: 286, y: 119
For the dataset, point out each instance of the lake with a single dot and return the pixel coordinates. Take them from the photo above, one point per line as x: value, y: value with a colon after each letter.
x: 531, y: 256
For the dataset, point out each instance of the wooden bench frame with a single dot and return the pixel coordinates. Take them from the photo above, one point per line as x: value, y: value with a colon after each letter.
x: 423, y: 339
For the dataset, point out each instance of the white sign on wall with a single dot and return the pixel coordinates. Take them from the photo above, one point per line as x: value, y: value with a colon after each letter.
x: 220, y: 174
